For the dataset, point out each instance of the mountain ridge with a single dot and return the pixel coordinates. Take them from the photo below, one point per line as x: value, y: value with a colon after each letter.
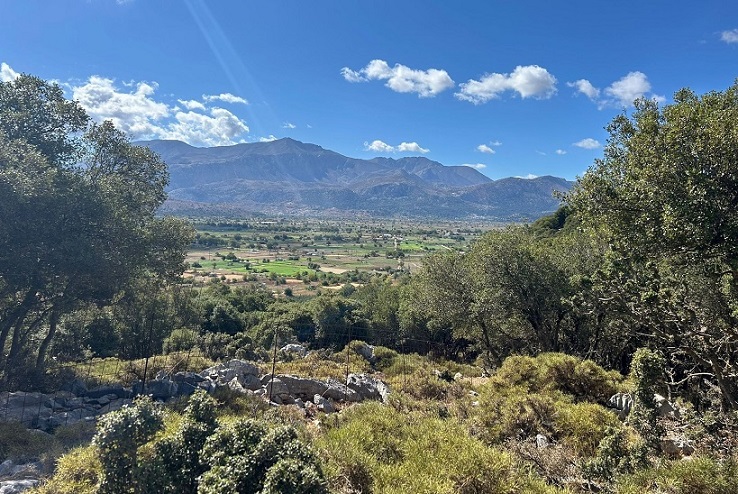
x: 287, y: 176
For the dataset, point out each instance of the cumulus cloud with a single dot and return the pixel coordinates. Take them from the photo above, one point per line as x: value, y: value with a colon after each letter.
x: 560, y: 152
x: 729, y: 36
x: 289, y: 125
x: 588, y: 143
x: 586, y: 88
x: 225, y: 98
x: 483, y: 148
x: 411, y: 147
x: 7, y: 73
x: 530, y: 81
x: 378, y: 146
x: 529, y: 176
x: 629, y: 88
x: 136, y: 111
x: 267, y: 139
x: 402, y: 79
x: 192, y: 104
x: 476, y: 166
x: 621, y: 93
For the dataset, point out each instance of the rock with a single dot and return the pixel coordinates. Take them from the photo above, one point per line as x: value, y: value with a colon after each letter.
x: 294, y: 348
x: 458, y: 376
x: 76, y: 386
x: 117, y: 390
x: 275, y: 387
x: 188, y: 377
x: 6, y: 468
x: 16, y: 486
x: 623, y: 403
x: 664, y: 407
x: 367, y: 387
x: 541, y: 441
x: 366, y: 351
x: 302, y: 387
x: 339, y: 391
x: 224, y: 372
x: 299, y: 403
x: 250, y: 381
x: 676, y: 447
x: 323, y: 404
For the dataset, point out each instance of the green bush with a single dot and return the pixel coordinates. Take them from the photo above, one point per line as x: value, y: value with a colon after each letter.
x: 378, y: 449
x: 20, y: 444
x: 241, y: 457
x: 699, y: 475
x: 583, y: 380
x: 77, y: 472
x: 180, y: 340
x: 517, y: 413
x: 119, y: 435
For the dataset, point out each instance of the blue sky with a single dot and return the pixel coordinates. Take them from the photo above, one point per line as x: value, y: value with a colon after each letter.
x: 512, y: 87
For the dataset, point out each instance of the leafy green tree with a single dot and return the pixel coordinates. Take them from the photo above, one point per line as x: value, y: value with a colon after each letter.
x: 664, y: 198
x: 78, y: 219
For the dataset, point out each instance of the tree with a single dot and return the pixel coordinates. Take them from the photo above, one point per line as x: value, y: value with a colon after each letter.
x: 78, y: 219
x: 665, y: 198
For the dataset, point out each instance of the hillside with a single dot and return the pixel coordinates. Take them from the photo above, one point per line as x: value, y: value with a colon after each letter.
x: 291, y: 177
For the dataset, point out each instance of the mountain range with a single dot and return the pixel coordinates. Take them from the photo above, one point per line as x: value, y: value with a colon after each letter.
x: 290, y: 177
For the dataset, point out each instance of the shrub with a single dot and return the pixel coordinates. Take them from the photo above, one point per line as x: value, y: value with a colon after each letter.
x: 180, y: 340
x: 77, y: 472
x: 703, y: 475
x: 582, y: 379
x: 20, y: 444
x: 119, y: 435
x: 377, y: 449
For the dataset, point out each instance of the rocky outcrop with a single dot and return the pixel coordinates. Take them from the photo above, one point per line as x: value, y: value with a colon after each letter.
x: 78, y: 403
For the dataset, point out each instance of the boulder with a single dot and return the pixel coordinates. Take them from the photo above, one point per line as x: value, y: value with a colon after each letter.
x: 323, y: 404
x: 676, y: 447
x: 541, y: 441
x: 100, y: 391
x: 223, y: 373
x: 664, y: 407
x: 300, y: 387
x: 366, y: 351
x: 294, y: 348
x: 17, y: 486
x: 275, y: 387
x: 339, y: 391
x: 367, y: 387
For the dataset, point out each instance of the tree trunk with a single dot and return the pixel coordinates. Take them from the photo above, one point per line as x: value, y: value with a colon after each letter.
x: 44, y: 347
x: 19, y: 312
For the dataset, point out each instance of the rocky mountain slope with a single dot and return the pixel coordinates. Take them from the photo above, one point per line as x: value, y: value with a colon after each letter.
x: 291, y: 177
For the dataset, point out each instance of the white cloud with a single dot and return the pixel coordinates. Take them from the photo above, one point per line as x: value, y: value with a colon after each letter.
x: 586, y: 88
x: 378, y: 147
x: 411, y: 147
x: 7, y: 73
x: 621, y: 93
x: 225, y: 97
x: 476, y: 166
x: 496, y: 143
x: 560, y: 152
x: 267, y: 139
x: 629, y: 88
x: 530, y: 81
x: 192, y: 104
x: 138, y: 113
x: 289, y: 125
x: 588, y: 143
x: 483, y: 148
x: 729, y: 36
x: 402, y: 79
x: 529, y: 176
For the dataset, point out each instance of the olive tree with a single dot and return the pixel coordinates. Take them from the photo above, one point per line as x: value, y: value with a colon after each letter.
x: 78, y: 220
x: 665, y: 198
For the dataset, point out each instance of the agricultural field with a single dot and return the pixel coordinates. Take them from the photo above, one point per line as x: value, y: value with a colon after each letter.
x: 306, y: 254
